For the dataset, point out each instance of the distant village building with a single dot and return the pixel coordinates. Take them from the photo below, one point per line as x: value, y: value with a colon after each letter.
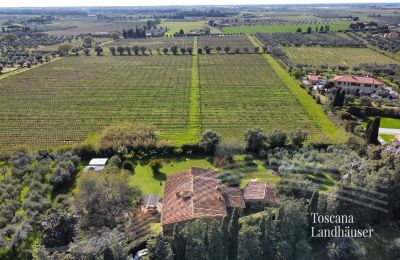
x: 96, y: 164
x: 159, y: 32
x: 313, y: 79
x: 258, y: 195
x: 392, y: 35
x: 199, y: 193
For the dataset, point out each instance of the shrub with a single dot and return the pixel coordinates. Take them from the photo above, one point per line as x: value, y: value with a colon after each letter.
x: 156, y: 165
x: 209, y: 141
x: 127, y: 165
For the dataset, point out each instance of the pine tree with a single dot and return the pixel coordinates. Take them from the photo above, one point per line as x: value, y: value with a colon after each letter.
x: 178, y: 244
x: 233, y: 235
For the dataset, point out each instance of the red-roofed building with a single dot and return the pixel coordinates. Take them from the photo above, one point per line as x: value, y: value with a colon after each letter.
x: 313, y: 79
x: 358, y: 83
x: 199, y: 193
x: 258, y: 195
x: 196, y: 193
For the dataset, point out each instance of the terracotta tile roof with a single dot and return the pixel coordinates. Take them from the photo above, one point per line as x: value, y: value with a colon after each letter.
x: 312, y: 77
x: 233, y: 197
x: 270, y: 194
x: 191, y: 194
x: 359, y: 80
x: 256, y: 190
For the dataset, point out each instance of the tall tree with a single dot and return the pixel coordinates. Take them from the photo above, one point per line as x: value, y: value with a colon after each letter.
x: 249, y: 243
x: 159, y: 249
x: 372, y: 131
x: 312, y: 208
x: 225, y: 234
x: 233, y: 229
x: 209, y: 141
x: 215, y: 247
x: 178, y: 244
x: 254, y: 139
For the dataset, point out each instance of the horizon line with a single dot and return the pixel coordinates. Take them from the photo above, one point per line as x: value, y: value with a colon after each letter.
x: 206, y: 5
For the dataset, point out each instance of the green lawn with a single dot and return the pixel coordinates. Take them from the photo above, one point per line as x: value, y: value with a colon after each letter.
x: 276, y: 28
x: 325, y: 181
x: 386, y: 122
x: 153, y: 183
x: 387, y: 138
x: 150, y: 183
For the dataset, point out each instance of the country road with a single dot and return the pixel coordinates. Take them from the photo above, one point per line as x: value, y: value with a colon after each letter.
x: 390, y: 131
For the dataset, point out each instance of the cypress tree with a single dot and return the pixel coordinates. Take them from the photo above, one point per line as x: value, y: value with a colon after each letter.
x: 264, y: 253
x: 215, y: 247
x: 336, y: 99
x: 312, y: 208
x: 225, y: 235
x: 372, y: 131
x: 233, y: 235
x: 178, y: 244
x: 342, y: 98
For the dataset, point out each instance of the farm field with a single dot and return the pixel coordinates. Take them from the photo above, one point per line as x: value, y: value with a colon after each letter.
x: 40, y: 110
x: 335, y: 56
x: 233, y: 42
x: 242, y: 91
x: 154, y: 43
x: 182, y: 95
x: 72, y: 27
x: 274, y: 28
x: 174, y: 27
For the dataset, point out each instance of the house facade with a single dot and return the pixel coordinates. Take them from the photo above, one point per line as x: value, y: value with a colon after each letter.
x: 354, y: 84
x: 258, y: 195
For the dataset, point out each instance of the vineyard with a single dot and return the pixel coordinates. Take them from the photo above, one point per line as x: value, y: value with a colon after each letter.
x: 234, y: 42
x: 154, y: 43
x: 242, y: 91
x: 275, y: 28
x: 69, y: 99
x: 335, y: 56
x: 74, y: 97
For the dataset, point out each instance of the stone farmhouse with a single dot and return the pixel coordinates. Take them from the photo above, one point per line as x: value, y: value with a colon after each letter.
x: 352, y: 84
x: 199, y: 193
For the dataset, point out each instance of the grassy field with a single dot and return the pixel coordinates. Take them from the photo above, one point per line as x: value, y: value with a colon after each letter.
x: 72, y: 27
x: 174, y: 27
x: 274, y: 28
x: 335, y: 56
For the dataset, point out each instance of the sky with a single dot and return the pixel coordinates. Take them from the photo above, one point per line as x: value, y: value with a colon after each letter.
x: 58, y: 3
